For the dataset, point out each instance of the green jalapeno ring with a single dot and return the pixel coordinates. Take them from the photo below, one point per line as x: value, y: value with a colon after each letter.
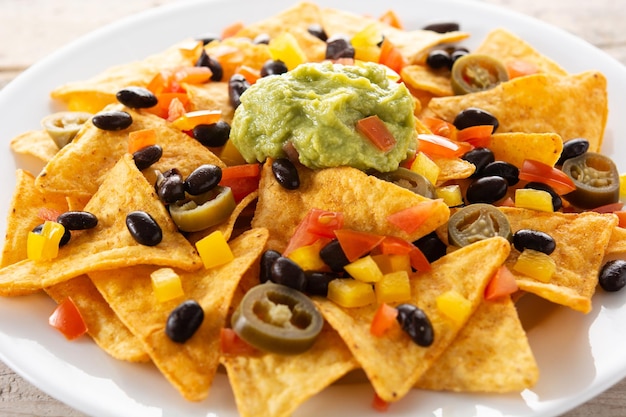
x: 475, y: 72
x: 596, y: 179
x: 63, y: 126
x: 199, y: 212
x: 477, y: 222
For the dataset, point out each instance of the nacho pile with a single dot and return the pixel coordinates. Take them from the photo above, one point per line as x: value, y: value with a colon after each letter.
x: 479, y: 343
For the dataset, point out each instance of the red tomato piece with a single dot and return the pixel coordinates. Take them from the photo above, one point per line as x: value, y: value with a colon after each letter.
x: 411, y: 218
x: 67, y: 319
x: 48, y: 214
x: 315, y: 225
x: 501, y: 284
x: 393, y: 245
x: 518, y: 68
x: 419, y: 261
x: 379, y: 404
x: 391, y: 56
x: 356, y: 244
x: 384, y: 319
x: 440, y: 127
x: 242, y: 179
x: 621, y: 215
x: 232, y: 344
x: 435, y: 145
x: 392, y: 19
x: 538, y: 171
x: 376, y: 131
x: 477, y: 136
x: 609, y: 208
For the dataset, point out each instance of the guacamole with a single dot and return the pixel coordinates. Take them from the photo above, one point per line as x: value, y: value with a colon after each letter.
x: 315, y: 107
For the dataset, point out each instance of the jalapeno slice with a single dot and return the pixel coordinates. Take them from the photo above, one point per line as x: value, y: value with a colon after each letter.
x: 596, y: 179
x: 476, y: 72
x: 198, y: 212
x: 477, y: 222
x: 276, y: 318
x: 410, y: 180
x: 63, y: 126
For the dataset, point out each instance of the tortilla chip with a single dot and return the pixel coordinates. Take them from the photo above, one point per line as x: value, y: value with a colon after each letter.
x: 36, y: 143
x: 394, y: 363
x: 422, y: 78
x: 366, y: 202
x: 581, y: 240
x: 189, y: 367
x: 490, y: 354
x: 109, y: 245
x: 508, y: 47
x: 211, y: 96
x: 94, y: 94
x: 80, y: 167
x: 616, y: 248
x: 453, y: 169
x: 540, y: 103
x: 235, y: 51
x: 287, y: 380
x: 515, y: 147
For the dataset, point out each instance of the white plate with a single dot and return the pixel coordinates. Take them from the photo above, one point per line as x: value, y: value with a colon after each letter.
x: 579, y: 355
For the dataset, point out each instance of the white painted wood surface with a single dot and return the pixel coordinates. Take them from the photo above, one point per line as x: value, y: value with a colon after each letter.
x: 32, y: 29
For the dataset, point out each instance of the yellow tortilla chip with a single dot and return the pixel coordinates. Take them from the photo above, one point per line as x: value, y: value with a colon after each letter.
x: 508, y: 47
x: 394, y: 363
x: 365, y: 201
x: 190, y: 367
x: 421, y: 78
x: 453, y: 169
x: 490, y: 354
x: 616, y: 248
x: 235, y: 51
x: 109, y: 245
x: 36, y: 143
x: 540, y: 103
x: 287, y: 380
x: 81, y: 166
x: 515, y: 147
x: 211, y: 96
x: 580, y: 239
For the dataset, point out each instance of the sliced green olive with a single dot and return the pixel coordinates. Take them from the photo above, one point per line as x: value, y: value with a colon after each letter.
x: 276, y: 318
x: 410, y: 180
x: 63, y: 126
x: 476, y: 72
x: 477, y: 222
x: 596, y: 179
x: 198, y: 212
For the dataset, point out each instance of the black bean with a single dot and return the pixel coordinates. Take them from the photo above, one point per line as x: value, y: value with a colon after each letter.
x: 184, y: 321
x: 501, y: 169
x: 203, y: 179
x: 317, y: 282
x: 438, y: 59
x: 480, y: 157
x: 288, y: 273
x: 213, y: 135
x: 613, y: 275
x: 273, y: 67
x: 442, y: 27
x: 78, y: 220
x: 143, y: 228
x: 557, y: 201
x: 333, y: 256
x: 286, y: 173
x: 431, y: 246
x: 147, y: 156
x: 339, y: 47
x: 208, y: 38
x: 318, y: 31
x: 211, y: 63
x: 456, y: 54
x: 261, y: 39
x: 170, y: 187
x: 237, y: 85
x: 535, y: 240
x: 573, y: 148
x: 416, y: 324
x: 64, y: 239
x: 136, y: 97
x: 486, y: 190
x: 473, y: 116
x: 267, y: 260
x: 112, y: 120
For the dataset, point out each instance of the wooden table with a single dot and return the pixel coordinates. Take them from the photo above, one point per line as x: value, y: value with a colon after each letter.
x: 29, y: 30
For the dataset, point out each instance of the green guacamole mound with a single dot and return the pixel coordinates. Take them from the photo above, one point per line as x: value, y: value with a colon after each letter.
x: 315, y: 107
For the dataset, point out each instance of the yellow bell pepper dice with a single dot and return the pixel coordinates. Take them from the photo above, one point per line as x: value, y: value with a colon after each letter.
x: 364, y: 269
x: 348, y: 292
x: 285, y: 48
x: 536, y: 265
x: 394, y: 287
x: 166, y: 284
x: 529, y: 198
x: 454, y: 306
x: 308, y: 257
x: 425, y: 166
x: 214, y: 250
x: 45, y: 245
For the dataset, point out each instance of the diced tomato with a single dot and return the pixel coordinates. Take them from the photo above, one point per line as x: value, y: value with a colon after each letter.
x: 232, y: 344
x: 419, y: 261
x: 435, y: 145
x: 250, y: 74
x: 477, y: 136
x: 609, y: 208
x: 393, y: 245
x: 376, y: 131
x: 538, y: 171
x: 192, y: 75
x: 232, y: 29
x: 48, y: 214
x: 187, y: 121
x: 242, y: 179
x: 379, y: 404
x: 519, y: 68
x: 391, y: 18
x: 384, y: 319
x: 501, y: 284
x: 440, y: 127
x: 315, y: 225
x: 411, y: 218
x: 391, y: 56
x: 67, y: 319
x: 356, y: 244
x: 140, y: 139
x: 621, y: 215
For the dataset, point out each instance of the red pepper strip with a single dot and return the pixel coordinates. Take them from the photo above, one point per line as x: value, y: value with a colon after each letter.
x: 538, y: 171
x: 376, y: 131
